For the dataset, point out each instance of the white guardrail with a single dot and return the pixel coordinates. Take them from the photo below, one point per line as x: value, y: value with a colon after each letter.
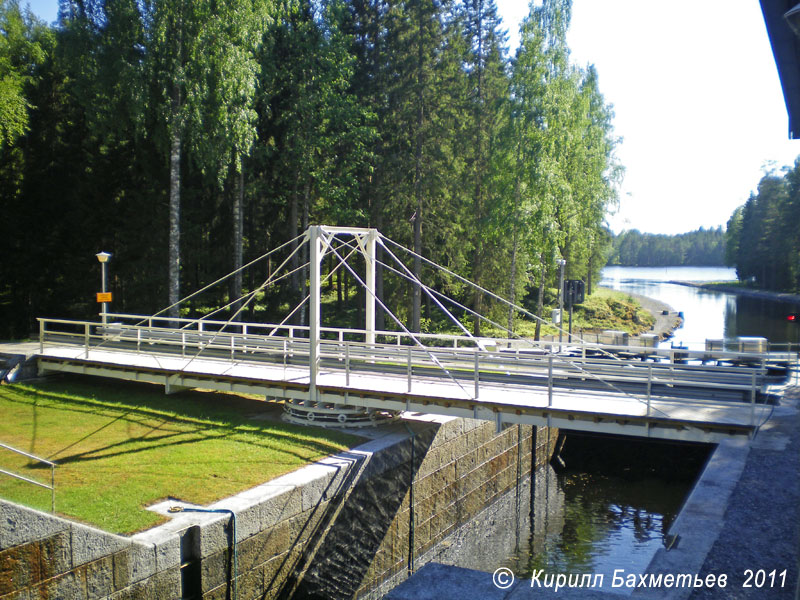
x: 51, y: 487
x: 458, y: 357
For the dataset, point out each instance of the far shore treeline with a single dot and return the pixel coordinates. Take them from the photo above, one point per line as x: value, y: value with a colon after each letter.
x: 763, y: 235
x: 187, y: 138
x: 701, y: 248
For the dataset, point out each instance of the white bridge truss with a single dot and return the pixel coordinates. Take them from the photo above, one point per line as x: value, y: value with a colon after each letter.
x: 343, y: 376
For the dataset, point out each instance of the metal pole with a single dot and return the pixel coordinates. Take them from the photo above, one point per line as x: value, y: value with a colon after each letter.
x: 347, y: 364
x: 570, y: 323
x: 550, y: 380
x: 315, y: 258
x: 104, y: 309
x: 369, y: 281
x: 408, y: 369
x: 477, y: 375
x: 560, y: 301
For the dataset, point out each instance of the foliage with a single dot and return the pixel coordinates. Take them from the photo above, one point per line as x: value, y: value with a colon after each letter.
x: 704, y: 247
x: 121, y: 447
x: 188, y: 138
x: 763, y: 237
x: 21, y: 52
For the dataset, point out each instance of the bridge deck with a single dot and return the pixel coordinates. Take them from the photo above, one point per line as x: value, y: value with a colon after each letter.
x: 695, y: 419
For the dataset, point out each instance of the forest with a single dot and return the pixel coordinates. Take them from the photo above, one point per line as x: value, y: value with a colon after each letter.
x: 701, y: 248
x: 763, y: 235
x: 188, y: 138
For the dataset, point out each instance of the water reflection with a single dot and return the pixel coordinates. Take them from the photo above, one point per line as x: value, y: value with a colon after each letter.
x: 588, y: 522
x: 707, y: 315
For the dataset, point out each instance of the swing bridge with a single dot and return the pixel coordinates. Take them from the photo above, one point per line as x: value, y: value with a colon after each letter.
x: 351, y: 377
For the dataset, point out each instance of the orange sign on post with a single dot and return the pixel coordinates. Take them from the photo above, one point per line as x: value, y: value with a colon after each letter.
x: 104, y: 296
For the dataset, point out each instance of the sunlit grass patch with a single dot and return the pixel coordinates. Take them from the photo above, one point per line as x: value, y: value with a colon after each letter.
x: 120, y: 447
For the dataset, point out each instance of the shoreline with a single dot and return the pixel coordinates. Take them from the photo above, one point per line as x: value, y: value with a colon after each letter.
x: 753, y: 293
x: 665, y: 325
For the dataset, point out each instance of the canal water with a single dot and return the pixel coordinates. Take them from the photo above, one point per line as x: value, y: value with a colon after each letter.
x: 615, y: 512
x: 707, y: 314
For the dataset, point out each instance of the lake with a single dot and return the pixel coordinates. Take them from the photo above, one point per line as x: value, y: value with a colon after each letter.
x: 707, y: 314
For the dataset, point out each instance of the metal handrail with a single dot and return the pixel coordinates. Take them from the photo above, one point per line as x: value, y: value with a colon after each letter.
x: 361, y: 354
x: 51, y: 487
x: 250, y: 343
x: 399, y: 336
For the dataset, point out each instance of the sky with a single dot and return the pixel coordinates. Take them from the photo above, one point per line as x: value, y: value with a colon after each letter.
x: 697, y: 101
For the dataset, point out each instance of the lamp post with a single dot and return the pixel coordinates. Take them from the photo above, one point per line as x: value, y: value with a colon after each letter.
x: 103, y: 258
x: 561, y: 263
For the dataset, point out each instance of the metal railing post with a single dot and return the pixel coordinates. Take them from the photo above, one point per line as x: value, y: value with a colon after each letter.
x: 41, y: 337
x: 408, y: 368
x: 183, y: 344
x: 753, y: 399
x: 649, y: 385
x: 51, y: 487
x: 477, y: 375
x: 347, y: 364
x: 86, y: 338
x: 550, y: 380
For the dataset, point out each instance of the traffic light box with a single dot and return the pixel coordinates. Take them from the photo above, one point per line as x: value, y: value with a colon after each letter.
x: 574, y: 292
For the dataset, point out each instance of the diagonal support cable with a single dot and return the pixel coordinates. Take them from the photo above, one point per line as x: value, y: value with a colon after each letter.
x: 403, y: 327
x: 516, y: 307
x: 308, y: 296
x: 564, y: 359
x: 416, y: 280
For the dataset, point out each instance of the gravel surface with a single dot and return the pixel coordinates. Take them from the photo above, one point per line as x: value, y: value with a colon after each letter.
x: 762, y: 521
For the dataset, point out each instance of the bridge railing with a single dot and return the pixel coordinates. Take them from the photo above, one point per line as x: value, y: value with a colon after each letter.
x: 583, y: 349
x: 510, y: 367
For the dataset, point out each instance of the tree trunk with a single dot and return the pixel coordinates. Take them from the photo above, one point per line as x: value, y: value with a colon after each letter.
x: 477, y: 271
x: 540, y: 302
x: 174, y: 254
x: 377, y: 219
x: 238, y: 240
x: 294, y: 263
x: 305, y: 251
x: 417, y: 292
x: 514, y: 243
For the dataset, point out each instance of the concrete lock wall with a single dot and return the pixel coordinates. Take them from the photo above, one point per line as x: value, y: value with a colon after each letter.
x: 339, y: 528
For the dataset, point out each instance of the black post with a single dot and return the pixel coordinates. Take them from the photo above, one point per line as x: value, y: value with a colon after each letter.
x: 570, y: 322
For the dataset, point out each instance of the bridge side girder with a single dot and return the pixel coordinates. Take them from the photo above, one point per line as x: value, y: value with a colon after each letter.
x: 650, y: 427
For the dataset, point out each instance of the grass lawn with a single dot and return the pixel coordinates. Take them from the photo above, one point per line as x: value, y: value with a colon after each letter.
x: 121, y: 446
x: 604, y: 309
x: 610, y: 309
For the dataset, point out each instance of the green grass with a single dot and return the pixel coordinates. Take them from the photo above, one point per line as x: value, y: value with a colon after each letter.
x: 604, y: 309
x: 609, y: 309
x: 120, y: 447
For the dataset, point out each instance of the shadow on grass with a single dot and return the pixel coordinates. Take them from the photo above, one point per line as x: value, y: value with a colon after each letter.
x: 195, y: 414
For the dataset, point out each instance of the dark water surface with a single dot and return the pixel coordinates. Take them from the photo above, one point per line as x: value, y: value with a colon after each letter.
x: 613, y: 512
x: 707, y: 314
x: 609, y: 509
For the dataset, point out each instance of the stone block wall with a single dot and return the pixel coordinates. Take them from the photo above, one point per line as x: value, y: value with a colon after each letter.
x: 345, y: 527
x: 42, y: 556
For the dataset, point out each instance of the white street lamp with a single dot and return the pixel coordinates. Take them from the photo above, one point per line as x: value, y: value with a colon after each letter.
x: 103, y: 258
